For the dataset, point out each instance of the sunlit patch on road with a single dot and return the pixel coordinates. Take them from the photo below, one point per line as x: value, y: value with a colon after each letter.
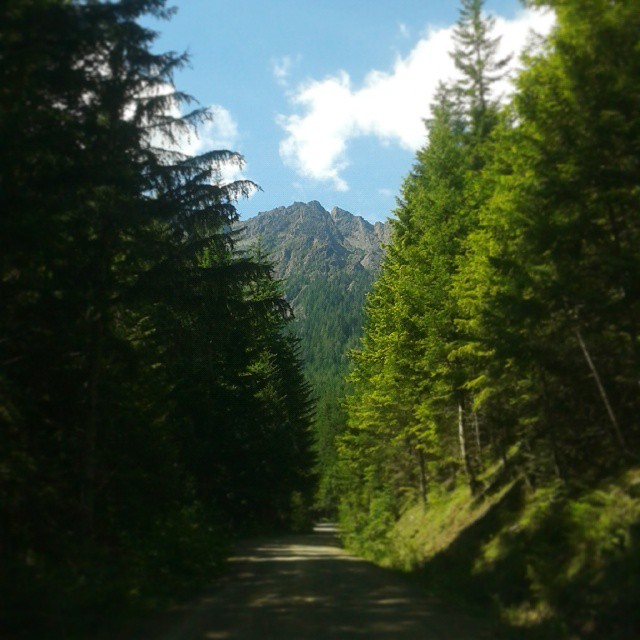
x: 308, y: 588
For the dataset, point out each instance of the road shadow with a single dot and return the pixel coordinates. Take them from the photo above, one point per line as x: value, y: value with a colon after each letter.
x: 307, y: 587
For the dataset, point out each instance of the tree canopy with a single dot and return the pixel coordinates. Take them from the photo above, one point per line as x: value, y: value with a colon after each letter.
x: 151, y: 398
x: 503, y: 328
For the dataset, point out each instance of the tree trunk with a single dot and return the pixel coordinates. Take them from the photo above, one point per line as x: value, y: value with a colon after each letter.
x: 91, y: 433
x: 550, y: 425
x: 615, y: 427
x: 423, y: 477
x: 476, y: 427
x: 463, y: 449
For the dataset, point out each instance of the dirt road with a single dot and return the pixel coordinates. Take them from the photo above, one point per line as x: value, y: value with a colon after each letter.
x: 307, y: 587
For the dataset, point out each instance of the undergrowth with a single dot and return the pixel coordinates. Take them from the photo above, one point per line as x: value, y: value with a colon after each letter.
x: 561, y: 561
x: 95, y: 587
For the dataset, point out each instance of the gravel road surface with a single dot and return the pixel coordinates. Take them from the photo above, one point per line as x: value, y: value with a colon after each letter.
x: 308, y: 588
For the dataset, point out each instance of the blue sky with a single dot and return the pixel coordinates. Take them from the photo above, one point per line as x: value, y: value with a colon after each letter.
x: 324, y: 98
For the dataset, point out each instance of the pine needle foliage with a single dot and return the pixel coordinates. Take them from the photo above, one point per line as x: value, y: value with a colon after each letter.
x: 151, y: 403
x: 502, y: 338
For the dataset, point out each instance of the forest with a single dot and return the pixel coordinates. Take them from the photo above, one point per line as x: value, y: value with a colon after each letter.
x: 498, y: 375
x: 152, y: 404
x: 320, y: 257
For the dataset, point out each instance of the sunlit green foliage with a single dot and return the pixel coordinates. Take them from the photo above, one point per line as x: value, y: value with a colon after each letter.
x: 502, y: 336
x: 409, y: 393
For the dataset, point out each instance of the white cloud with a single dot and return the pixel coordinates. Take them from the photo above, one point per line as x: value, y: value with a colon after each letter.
x: 220, y: 132
x: 404, y: 30
x: 281, y: 69
x: 387, y: 193
x: 216, y: 133
x: 317, y: 140
x: 390, y: 105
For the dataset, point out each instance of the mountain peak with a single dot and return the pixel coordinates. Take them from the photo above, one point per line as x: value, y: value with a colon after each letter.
x: 328, y: 262
x: 312, y: 205
x: 305, y: 238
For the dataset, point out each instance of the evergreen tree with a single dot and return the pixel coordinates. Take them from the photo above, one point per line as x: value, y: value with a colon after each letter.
x: 415, y: 407
x: 476, y: 57
x: 148, y: 395
x: 549, y: 286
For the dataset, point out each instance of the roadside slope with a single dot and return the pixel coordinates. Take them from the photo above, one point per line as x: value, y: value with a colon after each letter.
x: 561, y: 561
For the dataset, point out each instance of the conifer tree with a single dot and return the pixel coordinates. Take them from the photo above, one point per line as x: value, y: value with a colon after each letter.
x: 548, y: 287
x: 415, y: 408
x: 129, y: 325
x: 476, y: 57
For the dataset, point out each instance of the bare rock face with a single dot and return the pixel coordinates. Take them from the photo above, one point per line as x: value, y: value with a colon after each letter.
x: 328, y: 262
x: 305, y: 238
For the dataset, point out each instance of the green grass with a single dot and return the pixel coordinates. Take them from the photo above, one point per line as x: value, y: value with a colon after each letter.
x: 423, y: 531
x: 562, y: 561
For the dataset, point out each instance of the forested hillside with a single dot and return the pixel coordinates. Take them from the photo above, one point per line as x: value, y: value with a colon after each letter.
x: 493, y: 433
x: 170, y: 382
x: 152, y: 403
x: 327, y: 262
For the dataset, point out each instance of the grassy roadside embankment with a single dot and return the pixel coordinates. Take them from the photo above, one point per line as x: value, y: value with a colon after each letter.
x: 561, y: 561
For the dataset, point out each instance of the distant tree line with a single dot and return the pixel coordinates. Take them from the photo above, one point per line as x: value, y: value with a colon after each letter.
x: 504, y: 327
x: 151, y: 398
x: 325, y: 340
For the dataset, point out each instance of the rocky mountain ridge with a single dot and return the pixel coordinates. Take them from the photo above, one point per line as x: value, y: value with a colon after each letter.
x: 307, y: 237
x: 328, y: 261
